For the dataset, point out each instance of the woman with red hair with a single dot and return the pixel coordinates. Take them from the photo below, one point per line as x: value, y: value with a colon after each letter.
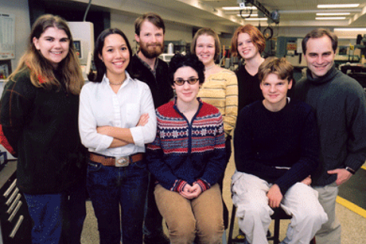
x: 248, y: 43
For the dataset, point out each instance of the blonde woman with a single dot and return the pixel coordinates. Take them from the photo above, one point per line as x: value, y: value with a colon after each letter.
x: 220, y: 88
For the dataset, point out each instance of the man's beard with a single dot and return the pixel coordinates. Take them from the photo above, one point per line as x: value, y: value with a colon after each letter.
x: 151, y: 53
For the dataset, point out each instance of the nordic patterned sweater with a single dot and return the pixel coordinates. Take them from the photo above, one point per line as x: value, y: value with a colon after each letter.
x: 184, y: 152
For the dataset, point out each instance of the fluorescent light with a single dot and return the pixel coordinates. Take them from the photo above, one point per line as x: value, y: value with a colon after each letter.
x: 256, y: 19
x: 350, y: 29
x: 252, y: 15
x: 238, y: 8
x: 352, y: 5
x: 328, y: 14
x: 329, y: 18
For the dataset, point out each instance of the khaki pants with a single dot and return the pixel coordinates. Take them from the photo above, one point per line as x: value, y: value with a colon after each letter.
x: 331, y: 230
x: 186, y: 218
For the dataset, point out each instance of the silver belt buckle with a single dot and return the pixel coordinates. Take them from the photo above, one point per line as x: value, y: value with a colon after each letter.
x: 122, y: 161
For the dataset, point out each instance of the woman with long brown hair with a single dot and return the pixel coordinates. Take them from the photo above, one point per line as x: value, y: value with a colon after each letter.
x: 39, y: 125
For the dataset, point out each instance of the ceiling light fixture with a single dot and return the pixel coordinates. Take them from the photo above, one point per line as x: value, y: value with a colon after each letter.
x: 256, y: 19
x: 350, y: 29
x: 252, y: 15
x: 238, y: 8
x: 352, y: 5
x: 329, y: 18
x: 329, y: 14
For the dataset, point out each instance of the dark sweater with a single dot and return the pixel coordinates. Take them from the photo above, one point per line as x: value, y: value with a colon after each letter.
x: 160, y: 86
x: 248, y: 87
x: 279, y: 147
x: 184, y: 151
x: 340, y: 106
x: 42, y: 127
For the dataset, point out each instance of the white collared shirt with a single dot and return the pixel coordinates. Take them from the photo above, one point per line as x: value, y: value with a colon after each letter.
x: 100, y: 106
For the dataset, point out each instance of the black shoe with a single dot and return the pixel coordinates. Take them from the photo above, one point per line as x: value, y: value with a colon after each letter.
x: 156, y: 239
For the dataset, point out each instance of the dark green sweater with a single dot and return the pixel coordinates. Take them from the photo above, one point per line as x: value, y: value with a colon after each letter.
x: 42, y: 127
x: 340, y: 106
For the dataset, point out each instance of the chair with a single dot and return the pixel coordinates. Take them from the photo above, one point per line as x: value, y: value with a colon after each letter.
x: 278, y: 214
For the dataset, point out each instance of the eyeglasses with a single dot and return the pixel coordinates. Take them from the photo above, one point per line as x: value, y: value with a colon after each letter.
x: 191, y: 81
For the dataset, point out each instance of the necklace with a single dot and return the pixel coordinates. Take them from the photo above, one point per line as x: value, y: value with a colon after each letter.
x: 210, y: 67
x: 115, y: 84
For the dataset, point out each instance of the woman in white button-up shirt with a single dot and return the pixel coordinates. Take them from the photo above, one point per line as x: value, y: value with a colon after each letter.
x: 116, y: 120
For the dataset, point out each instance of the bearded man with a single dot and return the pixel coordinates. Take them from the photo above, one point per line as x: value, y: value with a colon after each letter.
x: 147, y: 67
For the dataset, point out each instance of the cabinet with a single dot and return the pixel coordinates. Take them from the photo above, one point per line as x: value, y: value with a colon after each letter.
x: 15, y: 222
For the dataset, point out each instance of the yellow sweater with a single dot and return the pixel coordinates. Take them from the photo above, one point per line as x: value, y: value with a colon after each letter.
x: 221, y: 90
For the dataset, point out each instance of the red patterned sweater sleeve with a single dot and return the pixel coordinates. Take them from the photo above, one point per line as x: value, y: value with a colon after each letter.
x: 15, y: 107
x: 4, y: 141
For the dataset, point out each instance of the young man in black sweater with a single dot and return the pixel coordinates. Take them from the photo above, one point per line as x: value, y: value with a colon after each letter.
x: 276, y: 149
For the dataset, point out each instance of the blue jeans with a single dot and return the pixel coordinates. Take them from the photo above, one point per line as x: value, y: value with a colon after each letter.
x: 109, y: 187
x: 58, y: 218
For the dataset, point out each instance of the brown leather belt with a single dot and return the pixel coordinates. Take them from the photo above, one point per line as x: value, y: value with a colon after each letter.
x: 117, y: 162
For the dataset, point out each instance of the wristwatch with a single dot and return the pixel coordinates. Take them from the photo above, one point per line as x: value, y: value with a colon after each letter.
x: 352, y: 171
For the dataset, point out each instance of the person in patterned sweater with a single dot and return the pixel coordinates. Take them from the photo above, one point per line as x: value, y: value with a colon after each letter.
x: 187, y: 158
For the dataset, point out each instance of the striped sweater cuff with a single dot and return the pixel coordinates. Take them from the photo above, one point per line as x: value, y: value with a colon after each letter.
x: 179, y: 185
x: 203, y: 184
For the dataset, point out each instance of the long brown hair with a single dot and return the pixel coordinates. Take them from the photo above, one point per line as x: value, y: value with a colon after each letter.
x: 41, y: 70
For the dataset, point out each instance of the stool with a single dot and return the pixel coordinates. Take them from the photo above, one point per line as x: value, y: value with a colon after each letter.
x: 278, y: 214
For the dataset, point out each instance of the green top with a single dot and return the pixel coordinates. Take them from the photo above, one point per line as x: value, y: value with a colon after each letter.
x: 42, y: 127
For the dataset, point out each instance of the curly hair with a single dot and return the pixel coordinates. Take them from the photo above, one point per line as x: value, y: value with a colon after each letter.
x: 189, y: 60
